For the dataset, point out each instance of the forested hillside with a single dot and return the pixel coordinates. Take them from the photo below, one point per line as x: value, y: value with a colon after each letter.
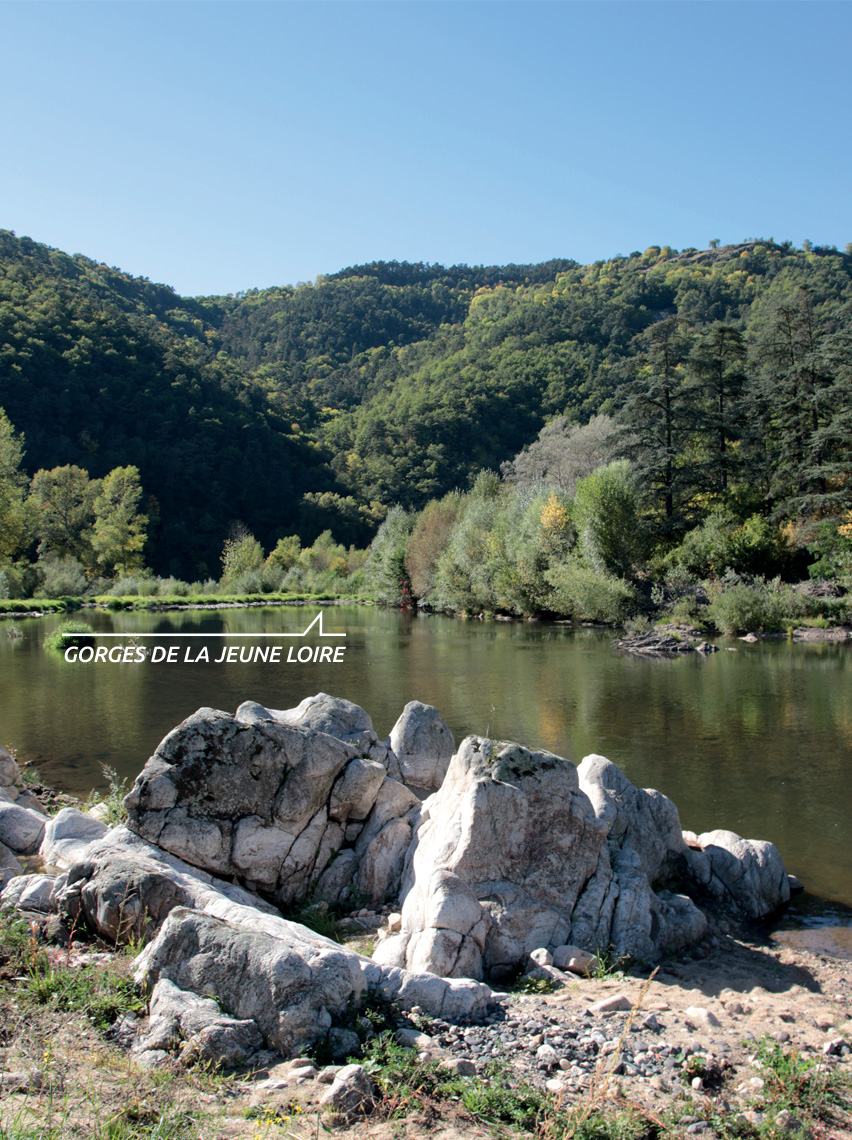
x: 100, y: 369
x: 296, y: 409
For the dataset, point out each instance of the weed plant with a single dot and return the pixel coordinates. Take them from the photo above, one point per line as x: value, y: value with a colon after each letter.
x: 798, y: 1083
x: 117, y: 789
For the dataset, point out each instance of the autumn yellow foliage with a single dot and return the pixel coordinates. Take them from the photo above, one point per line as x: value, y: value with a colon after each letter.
x: 554, y: 516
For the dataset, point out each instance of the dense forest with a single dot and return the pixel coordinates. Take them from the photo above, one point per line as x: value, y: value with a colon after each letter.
x: 722, y: 378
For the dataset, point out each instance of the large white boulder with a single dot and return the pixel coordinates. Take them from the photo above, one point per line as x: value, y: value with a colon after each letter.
x: 746, y: 875
x: 68, y: 836
x: 500, y: 856
x: 262, y: 799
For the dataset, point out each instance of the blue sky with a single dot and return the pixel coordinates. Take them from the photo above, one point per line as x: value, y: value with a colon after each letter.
x: 223, y: 146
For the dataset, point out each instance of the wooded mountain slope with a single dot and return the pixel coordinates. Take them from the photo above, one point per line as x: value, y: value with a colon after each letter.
x: 379, y: 384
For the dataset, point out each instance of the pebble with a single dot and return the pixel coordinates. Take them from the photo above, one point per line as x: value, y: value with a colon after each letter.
x: 700, y: 1016
x: 614, y: 1004
x: 459, y: 1066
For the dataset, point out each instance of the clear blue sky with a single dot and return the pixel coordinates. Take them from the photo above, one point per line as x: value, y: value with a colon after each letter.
x: 222, y: 146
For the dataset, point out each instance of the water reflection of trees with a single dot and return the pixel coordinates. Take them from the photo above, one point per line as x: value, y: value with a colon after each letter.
x: 759, y: 740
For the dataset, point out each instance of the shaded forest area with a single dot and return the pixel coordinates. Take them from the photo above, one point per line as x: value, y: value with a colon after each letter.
x: 296, y: 410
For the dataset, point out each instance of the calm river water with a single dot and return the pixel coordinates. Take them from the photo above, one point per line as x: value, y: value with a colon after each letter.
x: 758, y: 741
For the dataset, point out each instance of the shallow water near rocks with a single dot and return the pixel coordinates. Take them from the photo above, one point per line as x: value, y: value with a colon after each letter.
x: 758, y: 741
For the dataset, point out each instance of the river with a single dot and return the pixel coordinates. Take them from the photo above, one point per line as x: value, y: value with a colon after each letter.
x: 758, y: 740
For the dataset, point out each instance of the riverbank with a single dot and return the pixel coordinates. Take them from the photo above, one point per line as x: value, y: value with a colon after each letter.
x: 27, y: 608
x: 743, y: 1039
x: 650, y: 640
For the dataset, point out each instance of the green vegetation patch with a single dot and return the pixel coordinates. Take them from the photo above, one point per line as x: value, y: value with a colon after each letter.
x: 70, y: 633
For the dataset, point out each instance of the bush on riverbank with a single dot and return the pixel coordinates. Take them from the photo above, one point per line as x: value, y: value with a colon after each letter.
x: 534, y: 550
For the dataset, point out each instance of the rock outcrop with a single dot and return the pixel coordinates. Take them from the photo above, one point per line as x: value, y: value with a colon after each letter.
x: 291, y: 802
x: 501, y: 854
x: 423, y: 746
x: 520, y: 850
x: 129, y: 887
x: 517, y: 859
x: 293, y: 991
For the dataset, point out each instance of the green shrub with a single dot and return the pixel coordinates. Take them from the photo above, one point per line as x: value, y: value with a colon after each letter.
x: 590, y: 595
x: 70, y: 633
x: 249, y: 582
x: 606, y: 515
x: 61, y: 574
x: 173, y: 587
x: 124, y: 588
x: 241, y: 554
x: 799, y: 1083
x: 742, y: 607
x: 738, y: 605
x: 832, y: 550
x: 721, y: 543
x: 103, y: 994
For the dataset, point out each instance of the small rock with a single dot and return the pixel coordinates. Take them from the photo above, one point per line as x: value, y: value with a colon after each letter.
x: 614, y: 1004
x: 574, y: 959
x: 459, y: 1066
x: 394, y: 923
x: 32, y: 1081
x: 832, y: 1047
x: 555, y: 1085
x: 548, y: 1054
x: 540, y: 957
x: 351, y: 1094
x: 270, y: 1084
x: 700, y: 1016
x: 153, y: 1058
x: 651, y: 1022
x: 789, y: 1123
x: 326, y: 1076
x: 413, y: 1039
